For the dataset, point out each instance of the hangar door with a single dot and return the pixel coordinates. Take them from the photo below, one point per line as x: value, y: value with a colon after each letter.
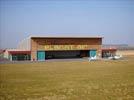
x: 41, y: 55
x: 92, y: 53
x: 63, y: 54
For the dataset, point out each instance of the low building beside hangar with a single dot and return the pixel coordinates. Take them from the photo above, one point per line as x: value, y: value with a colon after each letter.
x: 108, y: 52
x: 17, y: 54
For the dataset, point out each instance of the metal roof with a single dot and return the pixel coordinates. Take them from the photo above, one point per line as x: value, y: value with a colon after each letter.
x: 109, y: 49
x: 64, y: 36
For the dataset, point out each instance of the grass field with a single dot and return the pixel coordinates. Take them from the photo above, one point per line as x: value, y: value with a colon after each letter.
x: 68, y: 80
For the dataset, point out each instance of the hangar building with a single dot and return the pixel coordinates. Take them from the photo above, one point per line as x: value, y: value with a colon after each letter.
x: 40, y: 48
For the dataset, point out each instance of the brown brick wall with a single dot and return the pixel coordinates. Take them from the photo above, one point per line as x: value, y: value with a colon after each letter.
x: 33, y: 49
x: 68, y: 41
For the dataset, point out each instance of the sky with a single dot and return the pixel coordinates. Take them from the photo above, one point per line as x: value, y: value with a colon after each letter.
x: 111, y: 19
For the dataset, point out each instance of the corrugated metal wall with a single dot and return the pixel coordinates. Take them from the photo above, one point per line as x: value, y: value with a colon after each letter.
x: 25, y: 44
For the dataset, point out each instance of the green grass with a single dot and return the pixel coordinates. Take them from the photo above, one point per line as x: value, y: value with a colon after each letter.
x: 71, y: 80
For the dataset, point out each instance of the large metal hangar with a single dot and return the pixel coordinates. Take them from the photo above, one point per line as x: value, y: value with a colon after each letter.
x: 42, y: 47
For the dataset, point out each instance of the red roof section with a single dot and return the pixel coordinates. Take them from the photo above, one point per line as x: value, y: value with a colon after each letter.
x: 109, y: 49
x: 2, y: 51
x: 19, y: 52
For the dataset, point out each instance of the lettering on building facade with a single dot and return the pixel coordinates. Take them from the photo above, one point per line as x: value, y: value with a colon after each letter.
x: 65, y: 47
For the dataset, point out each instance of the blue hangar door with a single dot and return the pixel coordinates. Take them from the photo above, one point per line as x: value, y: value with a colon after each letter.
x: 92, y: 53
x: 41, y: 55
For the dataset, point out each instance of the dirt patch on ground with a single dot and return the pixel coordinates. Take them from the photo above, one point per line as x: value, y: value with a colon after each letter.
x: 125, y: 52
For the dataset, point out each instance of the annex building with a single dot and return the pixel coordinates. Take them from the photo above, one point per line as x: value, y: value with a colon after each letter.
x: 40, y: 48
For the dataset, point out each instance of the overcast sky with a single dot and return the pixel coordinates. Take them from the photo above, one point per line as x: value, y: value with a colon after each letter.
x: 111, y: 19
